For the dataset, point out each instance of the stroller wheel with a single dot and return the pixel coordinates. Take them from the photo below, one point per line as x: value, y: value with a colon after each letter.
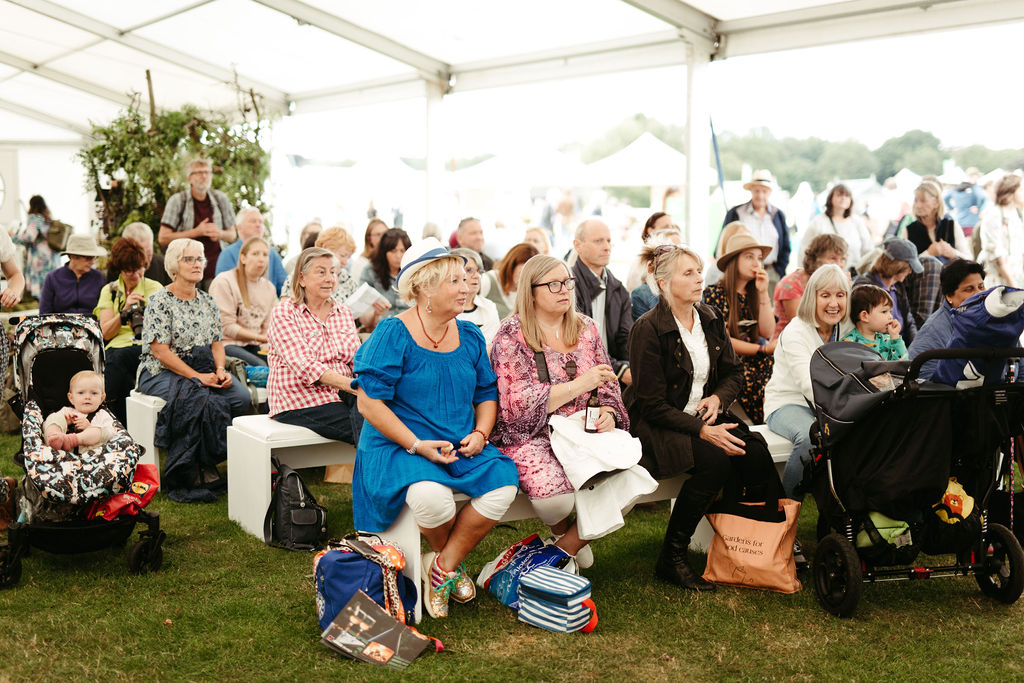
x: 144, y: 557
x: 837, y: 575
x: 10, y: 569
x: 1001, y: 575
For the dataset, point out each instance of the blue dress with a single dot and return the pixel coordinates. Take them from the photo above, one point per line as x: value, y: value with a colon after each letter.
x: 433, y: 394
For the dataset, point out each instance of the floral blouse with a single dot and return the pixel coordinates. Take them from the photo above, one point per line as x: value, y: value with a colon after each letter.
x: 521, y: 431
x: 180, y: 324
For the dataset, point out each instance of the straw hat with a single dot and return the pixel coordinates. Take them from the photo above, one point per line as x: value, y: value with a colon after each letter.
x: 762, y: 178
x: 736, y: 245
x: 83, y: 245
x: 420, y: 254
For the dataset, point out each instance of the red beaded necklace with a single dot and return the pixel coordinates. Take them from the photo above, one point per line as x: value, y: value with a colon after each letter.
x: 423, y: 327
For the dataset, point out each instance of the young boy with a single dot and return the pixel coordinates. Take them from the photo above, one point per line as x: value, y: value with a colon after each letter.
x: 86, y: 396
x: 871, y: 312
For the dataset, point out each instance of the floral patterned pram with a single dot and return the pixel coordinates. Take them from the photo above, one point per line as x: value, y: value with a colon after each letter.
x: 60, y: 488
x: 49, y: 350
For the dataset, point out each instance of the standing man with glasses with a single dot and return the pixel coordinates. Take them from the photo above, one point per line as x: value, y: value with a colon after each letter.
x: 200, y: 213
x: 600, y: 295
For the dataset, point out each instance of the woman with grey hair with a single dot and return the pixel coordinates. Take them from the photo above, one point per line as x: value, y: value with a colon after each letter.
x: 180, y: 318
x: 479, y: 311
x: 183, y: 362
x: 821, y: 317
x: 685, y: 376
x: 313, y: 341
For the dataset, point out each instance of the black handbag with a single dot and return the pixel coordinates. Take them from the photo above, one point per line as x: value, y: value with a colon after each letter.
x: 294, y: 520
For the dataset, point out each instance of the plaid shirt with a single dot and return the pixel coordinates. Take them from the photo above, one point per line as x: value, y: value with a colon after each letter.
x: 302, y: 348
x: 924, y: 290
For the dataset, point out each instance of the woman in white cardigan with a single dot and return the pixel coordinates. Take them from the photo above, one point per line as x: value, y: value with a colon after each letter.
x: 1002, y: 235
x: 822, y: 316
x: 245, y: 298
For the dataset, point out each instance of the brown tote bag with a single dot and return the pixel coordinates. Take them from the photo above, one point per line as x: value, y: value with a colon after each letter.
x: 753, y: 546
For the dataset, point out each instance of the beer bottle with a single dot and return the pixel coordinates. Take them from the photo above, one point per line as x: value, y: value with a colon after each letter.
x: 593, y: 412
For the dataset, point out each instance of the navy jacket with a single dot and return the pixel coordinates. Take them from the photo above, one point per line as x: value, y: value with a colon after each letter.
x: 618, y: 311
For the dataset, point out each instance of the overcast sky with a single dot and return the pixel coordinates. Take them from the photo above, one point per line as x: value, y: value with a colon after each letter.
x: 963, y: 86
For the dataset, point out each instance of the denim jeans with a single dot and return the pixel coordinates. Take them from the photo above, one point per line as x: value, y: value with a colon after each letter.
x: 793, y: 422
x: 119, y: 378
x: 247, y: 356
x: 338, y: 420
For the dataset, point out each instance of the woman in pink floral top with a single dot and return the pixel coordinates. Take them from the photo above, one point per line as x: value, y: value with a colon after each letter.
x: 545, y: 320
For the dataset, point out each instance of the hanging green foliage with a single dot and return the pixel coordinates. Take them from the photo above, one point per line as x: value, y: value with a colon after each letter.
x: 134, y: 165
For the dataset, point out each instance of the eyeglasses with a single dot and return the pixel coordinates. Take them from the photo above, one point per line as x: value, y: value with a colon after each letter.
x: 201, y: 260
x: 555, y: 286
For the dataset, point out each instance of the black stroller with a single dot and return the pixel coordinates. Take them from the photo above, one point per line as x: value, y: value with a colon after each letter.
x: 893, y: 455
x: 60, y: 487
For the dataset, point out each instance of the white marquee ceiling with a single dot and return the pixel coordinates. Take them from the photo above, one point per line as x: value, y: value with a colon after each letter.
x: 66, y: 62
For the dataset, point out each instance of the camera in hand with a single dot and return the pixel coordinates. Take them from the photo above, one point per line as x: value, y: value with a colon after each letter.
x: 132, y: 315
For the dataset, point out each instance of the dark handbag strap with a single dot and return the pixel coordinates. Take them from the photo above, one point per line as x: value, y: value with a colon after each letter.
x: 758, y: 513
x: 542, y: 367
x: 268, y: 520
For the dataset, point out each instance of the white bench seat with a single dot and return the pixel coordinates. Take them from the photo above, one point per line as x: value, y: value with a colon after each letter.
x: 252, y: 439
x: 141, y: 411
x: 406, y: 533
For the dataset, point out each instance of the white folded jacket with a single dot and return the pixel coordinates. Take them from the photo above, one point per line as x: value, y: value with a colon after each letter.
x: 604, y: 471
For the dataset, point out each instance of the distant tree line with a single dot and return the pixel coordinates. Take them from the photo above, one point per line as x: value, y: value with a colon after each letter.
x: 819, y: 162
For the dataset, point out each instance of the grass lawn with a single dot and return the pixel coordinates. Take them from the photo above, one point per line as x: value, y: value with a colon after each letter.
x: 227, y: 607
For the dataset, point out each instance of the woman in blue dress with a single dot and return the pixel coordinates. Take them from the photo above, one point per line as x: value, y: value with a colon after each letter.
x: 430, y: 399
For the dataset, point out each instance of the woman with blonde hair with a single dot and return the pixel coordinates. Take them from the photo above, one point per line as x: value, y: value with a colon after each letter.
x: 538, y: 237
x: 428, y: 394
x: 548, y: 359
x: 933, y: 232
x: 245, y: 298
x: 643, y: 297
x: 1002, y: 235
x: 686, y: 375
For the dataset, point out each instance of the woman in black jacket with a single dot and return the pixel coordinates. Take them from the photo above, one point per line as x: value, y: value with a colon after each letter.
x: 685, y: 376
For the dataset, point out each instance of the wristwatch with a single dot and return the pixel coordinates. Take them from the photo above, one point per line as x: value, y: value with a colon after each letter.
x: 411, y: 450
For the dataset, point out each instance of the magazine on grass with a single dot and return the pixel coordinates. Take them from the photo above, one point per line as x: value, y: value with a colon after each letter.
x: 364, y: 630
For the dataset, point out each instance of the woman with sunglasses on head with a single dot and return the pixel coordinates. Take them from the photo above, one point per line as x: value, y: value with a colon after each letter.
x: 686, y: 375
x: 545, y: 325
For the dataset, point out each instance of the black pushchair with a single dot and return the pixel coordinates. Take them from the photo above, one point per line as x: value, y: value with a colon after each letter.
x: 60, y: 487
x: 892, y: 454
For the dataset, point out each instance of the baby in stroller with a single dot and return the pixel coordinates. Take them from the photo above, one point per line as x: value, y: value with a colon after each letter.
x: 86, y: 395
x: 88, y: 493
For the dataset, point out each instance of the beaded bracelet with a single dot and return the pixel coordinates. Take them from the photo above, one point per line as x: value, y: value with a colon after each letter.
x: 481, y: 434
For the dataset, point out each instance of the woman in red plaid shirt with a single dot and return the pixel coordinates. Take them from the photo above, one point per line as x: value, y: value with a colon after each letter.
x: 313, y: 340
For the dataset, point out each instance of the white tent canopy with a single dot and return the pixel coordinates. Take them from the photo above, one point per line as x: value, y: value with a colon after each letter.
x: 645, y: 161
x: 64, y: 63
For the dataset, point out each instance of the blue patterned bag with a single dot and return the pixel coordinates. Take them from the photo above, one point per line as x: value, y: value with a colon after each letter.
x: 504, y: 582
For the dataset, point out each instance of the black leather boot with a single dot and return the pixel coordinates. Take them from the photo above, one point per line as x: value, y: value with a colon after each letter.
x: 672, y: 565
